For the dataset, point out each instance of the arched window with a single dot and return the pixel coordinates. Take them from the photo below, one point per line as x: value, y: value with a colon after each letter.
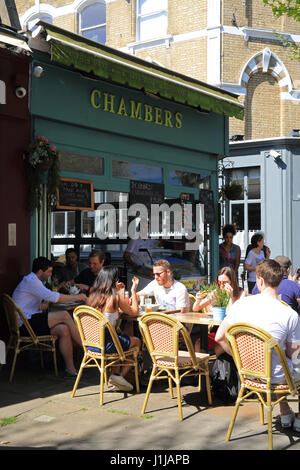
x: 152, y: 19
x: 92, y: 22
x: 39, y: 16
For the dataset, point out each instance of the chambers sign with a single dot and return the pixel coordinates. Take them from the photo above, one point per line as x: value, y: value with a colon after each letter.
x: 134, y: 109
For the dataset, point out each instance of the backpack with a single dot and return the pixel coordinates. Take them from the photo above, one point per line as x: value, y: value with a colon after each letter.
x: 225, y: 381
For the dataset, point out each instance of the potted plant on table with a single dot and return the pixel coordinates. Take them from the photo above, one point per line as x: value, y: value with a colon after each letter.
x: 42, y: 166
x: 219, y: 302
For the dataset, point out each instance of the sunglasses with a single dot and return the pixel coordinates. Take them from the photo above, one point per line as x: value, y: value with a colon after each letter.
x: 158, y: 274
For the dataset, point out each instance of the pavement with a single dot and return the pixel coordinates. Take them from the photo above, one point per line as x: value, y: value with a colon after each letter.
x: 37, y: 412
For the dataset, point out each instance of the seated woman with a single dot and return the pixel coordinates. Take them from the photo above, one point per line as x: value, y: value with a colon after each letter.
x: 104, y: 296
x: 226, y: 279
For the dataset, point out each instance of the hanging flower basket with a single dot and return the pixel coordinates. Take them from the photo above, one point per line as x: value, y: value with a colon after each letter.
x: 42, y: 166
x: 232, y: 191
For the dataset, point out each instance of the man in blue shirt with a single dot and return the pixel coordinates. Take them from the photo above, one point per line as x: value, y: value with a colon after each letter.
x: 289, y: 290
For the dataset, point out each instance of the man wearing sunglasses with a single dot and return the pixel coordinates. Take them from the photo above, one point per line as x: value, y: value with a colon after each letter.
x: 165, y: 289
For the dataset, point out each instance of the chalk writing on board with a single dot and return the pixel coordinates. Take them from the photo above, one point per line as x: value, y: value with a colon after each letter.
x: 75, y: 194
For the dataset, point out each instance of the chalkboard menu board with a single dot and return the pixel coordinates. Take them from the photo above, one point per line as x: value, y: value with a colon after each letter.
x: 75, y: 195
x: 142, y: 192
x: 206, y: 197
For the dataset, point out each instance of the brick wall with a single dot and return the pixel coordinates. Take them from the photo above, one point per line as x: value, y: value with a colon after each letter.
x: 189, y: 56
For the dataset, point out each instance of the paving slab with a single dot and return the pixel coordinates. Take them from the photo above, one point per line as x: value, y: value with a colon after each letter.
x: 37, y: 412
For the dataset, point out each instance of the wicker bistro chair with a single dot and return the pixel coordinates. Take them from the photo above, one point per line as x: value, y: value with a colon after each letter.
x: 252, y: 350
x: 161, y: 334
x: 92, y: 324
x: 22, y: 343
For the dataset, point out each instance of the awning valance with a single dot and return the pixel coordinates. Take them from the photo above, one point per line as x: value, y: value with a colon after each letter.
x: 110, y: 64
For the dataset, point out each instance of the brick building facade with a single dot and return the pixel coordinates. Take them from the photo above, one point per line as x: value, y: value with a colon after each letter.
x: 232, y: 44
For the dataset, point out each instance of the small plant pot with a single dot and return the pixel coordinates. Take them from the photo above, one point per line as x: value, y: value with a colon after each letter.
x: 44, y: 166
x: 219, y: 313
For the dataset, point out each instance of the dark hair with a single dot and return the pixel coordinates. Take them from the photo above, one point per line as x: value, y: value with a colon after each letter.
x: 104, y: 288
x: 257, y: 237
x: 71, y: 250
x: 270, y: 271
x: 230, y: 273
x: 228, y: 228
x: 100, y: 255
x: 41, y: 263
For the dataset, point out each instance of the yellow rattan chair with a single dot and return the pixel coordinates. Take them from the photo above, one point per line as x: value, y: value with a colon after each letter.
x: 22, y: 343
x: 252, y: 349
x: 161, y: 334
x: 92, y: 325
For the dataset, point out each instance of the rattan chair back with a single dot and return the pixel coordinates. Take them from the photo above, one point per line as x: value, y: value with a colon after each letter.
x: 92, y: 325
x: 163, y: 335
x: 252, y: 350
x: 20, y: 343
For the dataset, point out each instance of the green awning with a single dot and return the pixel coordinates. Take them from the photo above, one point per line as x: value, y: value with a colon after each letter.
x: 83, y: 54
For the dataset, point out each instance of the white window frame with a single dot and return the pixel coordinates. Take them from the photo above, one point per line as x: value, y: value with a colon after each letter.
x: 149, y: 15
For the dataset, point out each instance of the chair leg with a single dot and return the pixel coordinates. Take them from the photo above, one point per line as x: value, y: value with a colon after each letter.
x: 269, y: 417
x: 148, y: 390
x: 234, y: 415
x: 137, y: 381
x: 208, y: 391
x: 55, y: 362
x: 261, y: 413
x: 177, y: 378
x: 77, y: 378
x: 13, y: 365
x: 170, y: 387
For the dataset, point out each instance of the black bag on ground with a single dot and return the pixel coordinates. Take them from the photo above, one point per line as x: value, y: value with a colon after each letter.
x: 225, y: 381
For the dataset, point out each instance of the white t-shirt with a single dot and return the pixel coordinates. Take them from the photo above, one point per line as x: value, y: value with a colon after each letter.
x: 29, y: 294
x: 279, y: 320
x: 139, y: 257
x: 176, y: 295
x: 252, y: 259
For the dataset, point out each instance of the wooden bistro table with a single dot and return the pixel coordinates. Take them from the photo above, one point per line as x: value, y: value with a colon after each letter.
x: 200, y: 319
x: 69, y: 306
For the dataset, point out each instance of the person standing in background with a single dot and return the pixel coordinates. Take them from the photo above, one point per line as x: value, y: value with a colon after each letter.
x: 229, y: 253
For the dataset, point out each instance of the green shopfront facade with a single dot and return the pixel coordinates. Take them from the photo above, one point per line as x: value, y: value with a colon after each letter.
x: 114, y: 119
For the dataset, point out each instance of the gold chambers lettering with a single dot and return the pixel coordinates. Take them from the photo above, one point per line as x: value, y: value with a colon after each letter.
x: 135, y: 110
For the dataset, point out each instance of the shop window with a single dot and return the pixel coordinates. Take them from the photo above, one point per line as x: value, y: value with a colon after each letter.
x: 253, y: 183
x: 92, y: 22
x: 237, y: 215
x: 79, y: 163
x: 191, y: 180
x: 254, y: 216
x: 137, y: 171
x: 63, y: 224
x: 152, y: 19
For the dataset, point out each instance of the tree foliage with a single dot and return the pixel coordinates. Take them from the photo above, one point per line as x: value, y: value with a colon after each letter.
x: 291, y: 8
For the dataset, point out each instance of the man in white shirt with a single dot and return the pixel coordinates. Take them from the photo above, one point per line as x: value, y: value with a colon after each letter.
x: 165, y: 289
x: 33, y: 299
x: 267, y: 312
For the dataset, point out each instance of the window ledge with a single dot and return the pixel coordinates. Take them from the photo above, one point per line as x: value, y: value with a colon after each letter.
x: 153, y: 42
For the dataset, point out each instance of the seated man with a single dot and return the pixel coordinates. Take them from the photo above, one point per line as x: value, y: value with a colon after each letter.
x: 289, y: 290
x: 73, y: 267
x: 33, y: 297
x: 267, y: 312
x: 165, y: 289
x: 87, y: 277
